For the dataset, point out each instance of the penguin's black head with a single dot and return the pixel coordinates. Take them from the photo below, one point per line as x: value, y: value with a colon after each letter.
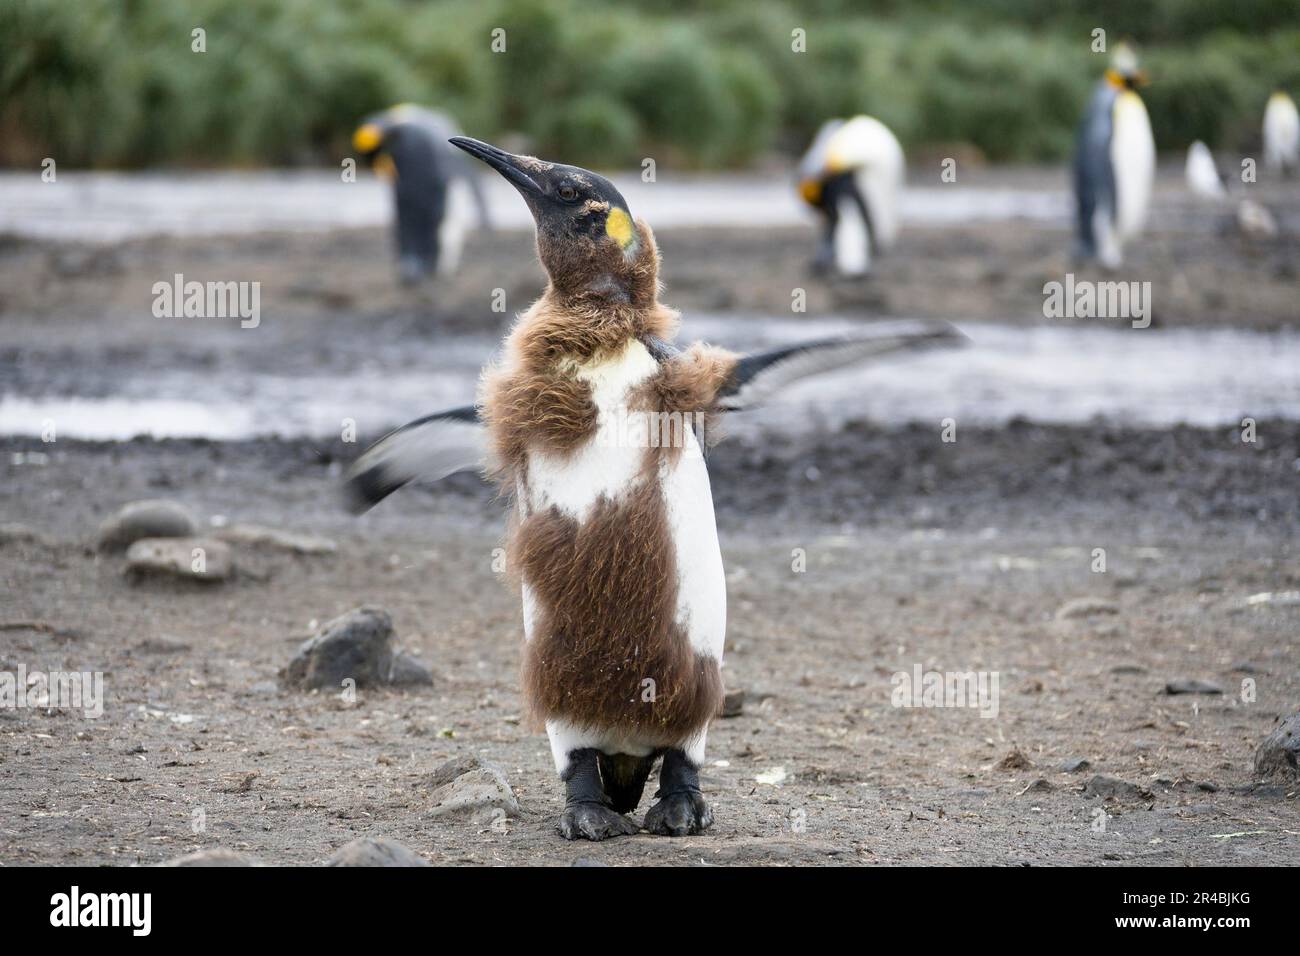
x: 586, y: 237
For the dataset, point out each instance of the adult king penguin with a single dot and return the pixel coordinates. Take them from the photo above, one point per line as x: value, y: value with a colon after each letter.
x: 1114, y: 164
x: 852, y: 174
x: 591, y: 420
x: 432, y: 184
x: 1281, y: 134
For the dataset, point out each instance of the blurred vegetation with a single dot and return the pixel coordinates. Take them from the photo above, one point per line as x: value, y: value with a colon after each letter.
x: 114, y: 82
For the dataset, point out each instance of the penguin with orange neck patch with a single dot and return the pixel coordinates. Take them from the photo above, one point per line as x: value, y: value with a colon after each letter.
x: 1114, y: 164
x: 431, y: 183
x: 595, y: 423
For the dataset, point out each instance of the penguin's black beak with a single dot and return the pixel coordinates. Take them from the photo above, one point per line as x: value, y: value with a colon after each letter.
x: 507, y: 164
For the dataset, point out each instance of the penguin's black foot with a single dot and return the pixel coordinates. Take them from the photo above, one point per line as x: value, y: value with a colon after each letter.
x: 587, y: 811
x: 679, y: 814
x: 681, y: 810
x: 593, y: 821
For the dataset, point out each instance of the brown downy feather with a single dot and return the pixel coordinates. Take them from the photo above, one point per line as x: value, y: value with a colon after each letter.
x: 607, y: 598
x: 535, y: 397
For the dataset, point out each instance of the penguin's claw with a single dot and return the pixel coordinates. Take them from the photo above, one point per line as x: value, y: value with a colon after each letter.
x: 593, y: 821
x: 683, y: 813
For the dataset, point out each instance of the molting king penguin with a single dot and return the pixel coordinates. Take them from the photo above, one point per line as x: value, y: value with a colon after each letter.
x: 852, y: 174
x: 594, y: 423
x: 1281, y: 134
x: 1114, y: 163
x: 408, y: 145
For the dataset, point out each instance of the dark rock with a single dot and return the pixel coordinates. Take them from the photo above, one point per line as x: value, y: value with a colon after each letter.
x: 1111, y: 788
x: 1186, y: 686
x: 408, y: 671
x: 145, y: 519
x: 358, y: 645
x: 1076, y: 765
x: 1278, y: 755
x: 375, y: 851
x: 733, y: 703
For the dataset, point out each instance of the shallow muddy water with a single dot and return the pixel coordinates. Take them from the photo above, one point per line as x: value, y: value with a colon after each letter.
x: 1149, y: 377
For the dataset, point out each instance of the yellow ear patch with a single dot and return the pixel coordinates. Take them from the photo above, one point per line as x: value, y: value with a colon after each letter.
x: 367, y: 138
x: 618, y: 226
x: 811, y: 191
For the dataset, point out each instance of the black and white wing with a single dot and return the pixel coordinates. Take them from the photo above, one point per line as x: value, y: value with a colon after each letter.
x: 428, y: 448
x: 760, y: 375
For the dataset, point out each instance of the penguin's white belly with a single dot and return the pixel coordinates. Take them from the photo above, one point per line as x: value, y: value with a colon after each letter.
x: 1133, y: 159
x: 701, y: 583
x: 852, y: 242
x: 455, y: 222
x: 607, y: 464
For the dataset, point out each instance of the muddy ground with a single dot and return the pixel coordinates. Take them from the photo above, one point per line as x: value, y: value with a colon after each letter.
x: 954, y: 556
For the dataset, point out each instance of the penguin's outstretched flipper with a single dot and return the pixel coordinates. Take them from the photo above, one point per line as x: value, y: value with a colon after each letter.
x: 757, y: 376
x: 428, y: 448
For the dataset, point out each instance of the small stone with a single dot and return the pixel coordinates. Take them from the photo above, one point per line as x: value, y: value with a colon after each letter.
x: 1076, y: 765
x: 358, y: 646
x: 1085, y: 607
x: 1040, y: 785
x: 1112, y: 788
x: 145, y: 519
x: 160, y: 645
x: 194, y: 559
x: 733, y: 703
x: 218, y: 856
x: 449, y: 770
x: 1014, y: 761
x: 14, y: 533
x: 481, y: 795
x: 1128, y: 669
x: 375, y: 851
x: 1278, y: 755
x: 407, y: 670
x: 1186, y: 686
x: 255, y: 535
x: 1274, y: 599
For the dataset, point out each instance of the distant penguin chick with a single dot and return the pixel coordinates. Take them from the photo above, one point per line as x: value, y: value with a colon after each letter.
x: 852, y: 174
x: 1281, y: 134
x: 431, y: 183
x: 1114, y: 164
